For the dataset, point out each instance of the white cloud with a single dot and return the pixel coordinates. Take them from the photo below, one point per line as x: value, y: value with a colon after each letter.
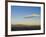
x: 30, y: 16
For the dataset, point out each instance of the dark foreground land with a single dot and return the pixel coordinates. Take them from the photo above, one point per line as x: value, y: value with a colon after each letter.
x: 24, y: 27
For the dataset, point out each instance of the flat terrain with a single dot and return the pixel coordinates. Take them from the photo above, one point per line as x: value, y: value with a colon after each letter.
x: 24, y: 27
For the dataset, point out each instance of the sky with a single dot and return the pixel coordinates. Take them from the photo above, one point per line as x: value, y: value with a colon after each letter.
x: 19, y: 12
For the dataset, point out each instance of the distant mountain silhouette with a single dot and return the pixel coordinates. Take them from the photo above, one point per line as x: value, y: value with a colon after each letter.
x: 18, y: 27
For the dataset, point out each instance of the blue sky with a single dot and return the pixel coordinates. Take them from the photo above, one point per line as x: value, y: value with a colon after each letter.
x: 18, y: 12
